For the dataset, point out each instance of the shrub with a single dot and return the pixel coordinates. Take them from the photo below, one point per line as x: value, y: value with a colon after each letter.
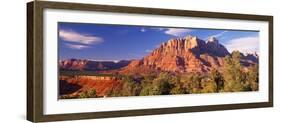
x: 88, y: 94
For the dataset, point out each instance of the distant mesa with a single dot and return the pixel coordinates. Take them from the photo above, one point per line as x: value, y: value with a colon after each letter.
x: 90, y: 65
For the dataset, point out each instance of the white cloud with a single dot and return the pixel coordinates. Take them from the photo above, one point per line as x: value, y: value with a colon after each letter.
x: 217, y: 35
x: 244, y: 44
x: 142, y: 30
x: 75, y: 37
x: 177, y: 31
x: 77, y: 46
x: 148, y: 50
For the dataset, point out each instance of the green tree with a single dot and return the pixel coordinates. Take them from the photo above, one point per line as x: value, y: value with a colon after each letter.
x: 130, y: 86
x: 209, y: 87
x: 160, y: 85
x: 146, y: 84
x: 146, y: 89
x: 177, y: 87
x: 233, y: 74
x: 192, y: 82
x: 253, y: 78
x: 217, y: 78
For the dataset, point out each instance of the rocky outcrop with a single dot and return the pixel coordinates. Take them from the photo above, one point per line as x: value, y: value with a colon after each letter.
x: 213, y: 47
x: 254, y: 57
x: 189, y: 54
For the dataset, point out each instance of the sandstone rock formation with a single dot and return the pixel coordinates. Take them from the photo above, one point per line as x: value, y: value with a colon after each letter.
x: 189, y: 54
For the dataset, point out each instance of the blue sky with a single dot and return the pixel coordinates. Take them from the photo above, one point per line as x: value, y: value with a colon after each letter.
x: 123, y: 42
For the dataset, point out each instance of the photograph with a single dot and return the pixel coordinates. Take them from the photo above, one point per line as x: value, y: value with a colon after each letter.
x: 106, y: 60
x: 88, y: 60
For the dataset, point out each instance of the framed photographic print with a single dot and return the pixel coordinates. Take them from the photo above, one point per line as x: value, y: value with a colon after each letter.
x: 97, y: 61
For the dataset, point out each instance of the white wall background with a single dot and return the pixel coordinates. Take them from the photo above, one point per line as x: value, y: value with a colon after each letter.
x: 13, y: 61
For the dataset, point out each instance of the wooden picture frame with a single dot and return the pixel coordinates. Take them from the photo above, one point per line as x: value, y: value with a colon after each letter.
x: 35, y: 60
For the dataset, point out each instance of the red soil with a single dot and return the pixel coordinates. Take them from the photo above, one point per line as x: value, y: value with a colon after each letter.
x: 102, y: 87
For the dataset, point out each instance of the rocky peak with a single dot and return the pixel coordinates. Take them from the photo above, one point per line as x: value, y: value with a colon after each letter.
x: 213, y: 40
x: 181, y: 55
x: 254, y: 57
x: 253, y: 54
x: 192, y: 44
x: 181, y: 44
x: 215, y: 48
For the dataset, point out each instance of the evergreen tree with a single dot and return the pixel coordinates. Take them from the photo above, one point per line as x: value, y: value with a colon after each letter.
x: 253, y: 78
x: 161, y: 85
x: 209, y: 87
x: 217, y: 78
x: 233, y: 74
x: 192, y: 83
